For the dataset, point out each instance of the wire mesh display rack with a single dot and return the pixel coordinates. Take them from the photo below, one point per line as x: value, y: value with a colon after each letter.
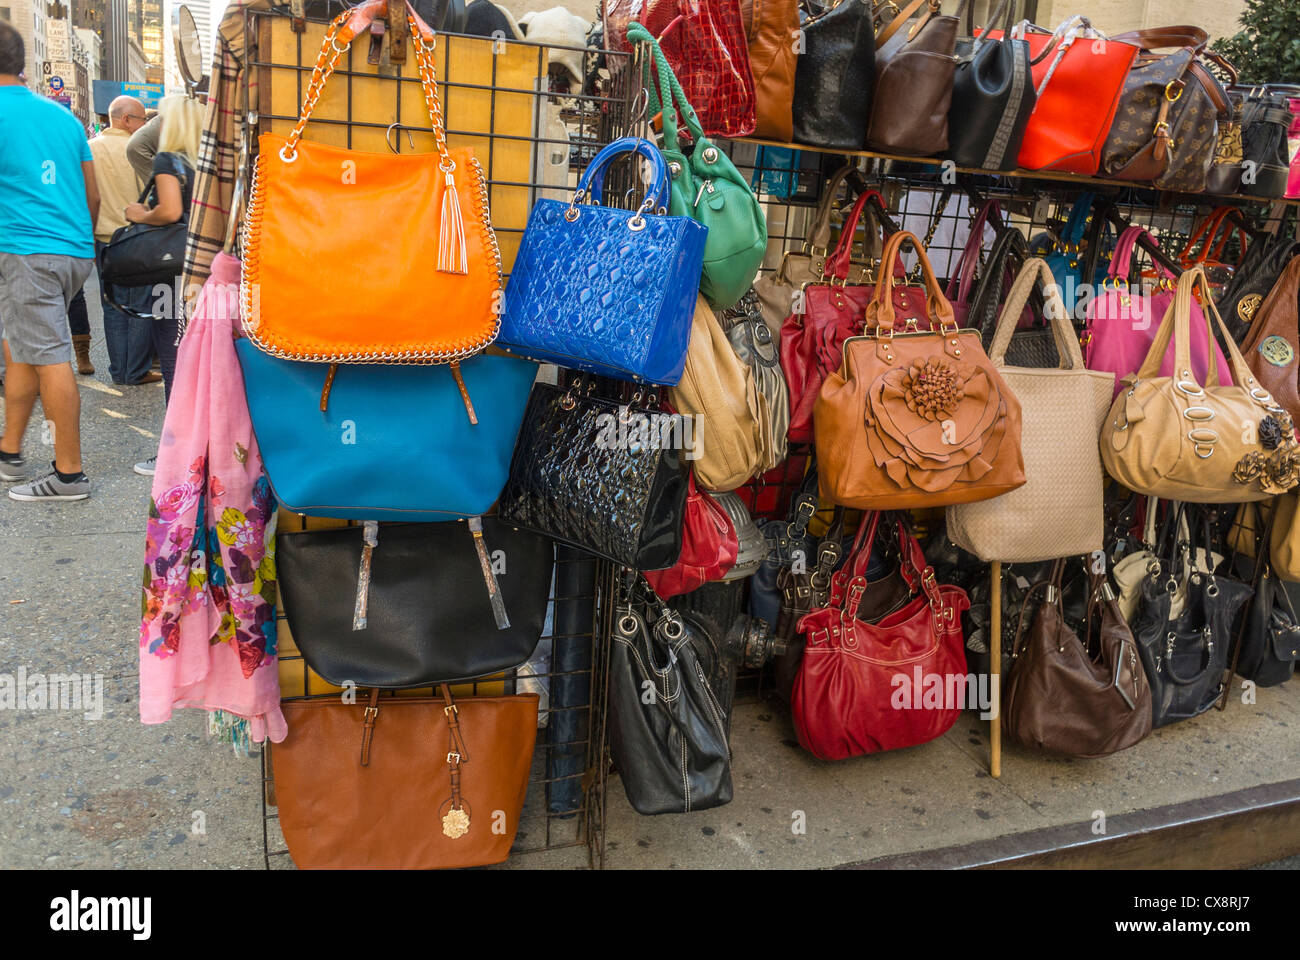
x: 533, y: 127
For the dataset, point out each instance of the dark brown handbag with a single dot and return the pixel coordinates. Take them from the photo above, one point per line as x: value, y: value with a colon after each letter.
x: 1066, y: 699
x: 770, y: 27
x: 1166, y: 125
x: 915, y: 64
x: 1273, y: 342
x: 403, y: 783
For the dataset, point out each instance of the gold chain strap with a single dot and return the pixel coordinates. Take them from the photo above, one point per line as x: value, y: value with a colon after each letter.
x: 429, y: 81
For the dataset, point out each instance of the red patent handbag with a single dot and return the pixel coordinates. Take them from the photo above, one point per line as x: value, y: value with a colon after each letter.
x: 863, y: 687
x: 833, y: 311
x: 709, y: 547
x: 708, y: 49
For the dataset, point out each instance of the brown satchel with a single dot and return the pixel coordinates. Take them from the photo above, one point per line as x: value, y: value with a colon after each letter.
x: 915, y: 65
x: 1063, y: 698
x: 403, y: 783
x: 916, y: 419
x: 1273, y: 341
x: 770, y: 28
x: 1166, y: 125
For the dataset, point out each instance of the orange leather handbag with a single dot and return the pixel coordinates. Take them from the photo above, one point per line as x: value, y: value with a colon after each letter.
x: 318, y: 283
x: 916, y: 419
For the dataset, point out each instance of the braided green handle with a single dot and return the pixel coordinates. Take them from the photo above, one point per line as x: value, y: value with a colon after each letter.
x: 636, y: 33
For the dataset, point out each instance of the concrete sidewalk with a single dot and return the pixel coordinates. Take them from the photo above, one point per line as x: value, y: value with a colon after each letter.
x: 110, y: 792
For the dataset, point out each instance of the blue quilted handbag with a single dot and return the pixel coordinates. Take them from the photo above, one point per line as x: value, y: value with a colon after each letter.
x: 392, y: 442
x: 606, y: 291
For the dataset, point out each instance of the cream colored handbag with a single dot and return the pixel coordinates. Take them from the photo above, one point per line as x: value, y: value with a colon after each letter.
x: 719, y: 391
x: 1058, y: 511
x: 1173, y: 438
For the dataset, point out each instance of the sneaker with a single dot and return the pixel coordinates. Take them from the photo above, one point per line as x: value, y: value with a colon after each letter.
x: 50, y: 487
x: 11, y: 471
x: 145, y: 467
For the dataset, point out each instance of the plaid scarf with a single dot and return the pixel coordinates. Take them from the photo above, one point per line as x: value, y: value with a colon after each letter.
x: 219, y: 147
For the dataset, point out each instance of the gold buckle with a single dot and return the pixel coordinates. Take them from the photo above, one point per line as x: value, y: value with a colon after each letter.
x: 371, y: 713
x: 1177, y: 93
x: 449, y: 711
x: 453, y: 757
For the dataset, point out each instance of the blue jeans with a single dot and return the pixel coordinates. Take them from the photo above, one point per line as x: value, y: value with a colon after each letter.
x: 129, y: 339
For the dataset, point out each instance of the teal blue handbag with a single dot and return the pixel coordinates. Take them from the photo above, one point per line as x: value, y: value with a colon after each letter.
x: 385, y: 442
x: 707, y: 187
x: 1068, y: 259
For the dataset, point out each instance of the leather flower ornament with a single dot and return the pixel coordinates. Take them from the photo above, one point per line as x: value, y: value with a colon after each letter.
x: 934, y: 422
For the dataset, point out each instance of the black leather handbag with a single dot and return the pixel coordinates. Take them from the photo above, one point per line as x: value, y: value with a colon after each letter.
x: 1185, y: 656
x: 992, y: 96
x: 590, y: 473
x: 667, y: 728
x: 1033, y: 347
x: 1265, y: 120
x: 1268, y: 639
x: 835, y: 74
x: 426, y: 603
x: 1264, y: 261
x: 141, y: 254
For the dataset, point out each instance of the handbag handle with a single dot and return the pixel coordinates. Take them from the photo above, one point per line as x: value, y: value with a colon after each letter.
x: 903, y: 16
x: 1177, y: 323
x: 667, y: 98
x: 819, y: 234
x: 1010, y: 14
x: 1212, y: 243
x: 1161, y: 38
x: 1034, y: 271
x: 1121, y: 261
x: 916, y: 571
x: 592, y: 182
x: 880, y: 308
x: 837, y: 264
x: 962, y: 281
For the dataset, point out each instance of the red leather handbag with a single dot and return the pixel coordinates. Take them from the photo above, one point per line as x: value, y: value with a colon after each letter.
x: 709, y: 547
x: 708, y: 49
x: 863, y: 687
x: 833, y: 311
x: 1079, y: 75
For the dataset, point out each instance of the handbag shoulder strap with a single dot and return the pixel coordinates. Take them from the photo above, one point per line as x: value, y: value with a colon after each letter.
x: 669, y: 99
x: 880, y: 308
x: 819, y: 233
x: 963, y: 277
x: 1164, y: 38
x: 1036, y: 271
x: 1176, y: 324
x: 903, y: 16
x: 837, y: 264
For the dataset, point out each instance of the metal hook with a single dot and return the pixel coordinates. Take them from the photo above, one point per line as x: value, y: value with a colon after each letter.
x: 639, y: 112
x: 388, y: 137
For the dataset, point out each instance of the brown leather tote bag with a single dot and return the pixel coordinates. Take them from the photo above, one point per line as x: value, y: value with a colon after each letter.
x: 915, y: 66
x: 1272, y: 343
x: 403, y: 783
x: 1065, y: 699
x: 916, y: 419
x: 770, y: 27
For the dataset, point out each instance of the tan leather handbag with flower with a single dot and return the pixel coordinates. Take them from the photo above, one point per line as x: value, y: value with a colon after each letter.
x: 915, y: 419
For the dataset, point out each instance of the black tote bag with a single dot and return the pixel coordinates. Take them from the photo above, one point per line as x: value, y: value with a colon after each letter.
x: 992, y: 97
x: 834, y: 74
x: 428, y: 607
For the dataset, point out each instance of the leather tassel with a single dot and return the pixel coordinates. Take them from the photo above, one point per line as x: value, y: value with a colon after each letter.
x: 490, y: 578
x: 452, y: 257
x: 370, y: 534
x: 464, y: 392
x: 329, y: 385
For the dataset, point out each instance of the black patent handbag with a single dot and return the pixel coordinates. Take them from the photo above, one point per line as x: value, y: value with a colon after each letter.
x: 992, y: 96
x: 1185, y: 656
x: 835, y: 73
x: 667, y: 727
x: 415, y: 604
x: 604, y: 476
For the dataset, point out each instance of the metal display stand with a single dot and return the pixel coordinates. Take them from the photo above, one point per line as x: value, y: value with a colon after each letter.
x: 534, y: 131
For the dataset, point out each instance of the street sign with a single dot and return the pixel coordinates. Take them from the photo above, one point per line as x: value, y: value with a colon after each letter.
x: 56, y: 84
x: 105, y: 91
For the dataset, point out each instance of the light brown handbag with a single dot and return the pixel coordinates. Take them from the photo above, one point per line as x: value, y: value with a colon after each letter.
x: 1272, y: 345
x: 916, y: 419
x: 403, y: 783
x: 1284, y: 544
x: 1169, y: 437
x: 777, y: 290
x: 1061, y: 410
x: 771, y: 27
x: 719, y: 388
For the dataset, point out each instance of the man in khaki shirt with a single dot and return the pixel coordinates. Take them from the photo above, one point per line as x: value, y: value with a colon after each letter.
x: 129, y: 338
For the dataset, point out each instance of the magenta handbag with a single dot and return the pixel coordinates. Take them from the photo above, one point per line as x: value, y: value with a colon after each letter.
x: 1293, y: 144
x: 1122, y: 321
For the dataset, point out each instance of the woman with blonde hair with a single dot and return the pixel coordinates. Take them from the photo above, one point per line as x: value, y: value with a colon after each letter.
x: 169, y: 202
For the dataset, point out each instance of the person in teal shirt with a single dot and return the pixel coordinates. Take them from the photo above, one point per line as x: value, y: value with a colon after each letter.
x: 46, y: 253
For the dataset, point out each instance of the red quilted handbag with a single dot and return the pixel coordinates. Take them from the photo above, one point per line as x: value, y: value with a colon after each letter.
x: 864, y: 687
x: 709, y: 546
x: 706, y: 45
x: 834, y: 310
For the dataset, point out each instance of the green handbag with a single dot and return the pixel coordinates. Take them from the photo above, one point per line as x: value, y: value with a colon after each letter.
x: 706, y: 187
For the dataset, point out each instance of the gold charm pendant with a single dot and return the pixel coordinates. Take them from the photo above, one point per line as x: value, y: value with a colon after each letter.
x: 455, y: 823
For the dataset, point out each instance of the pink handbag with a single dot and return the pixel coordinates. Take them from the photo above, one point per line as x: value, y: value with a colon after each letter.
x: 1293, y: 144
x: 1122, y: 322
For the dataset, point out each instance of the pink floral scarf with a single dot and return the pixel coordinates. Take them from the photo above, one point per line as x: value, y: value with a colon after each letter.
x: 207, y: 634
